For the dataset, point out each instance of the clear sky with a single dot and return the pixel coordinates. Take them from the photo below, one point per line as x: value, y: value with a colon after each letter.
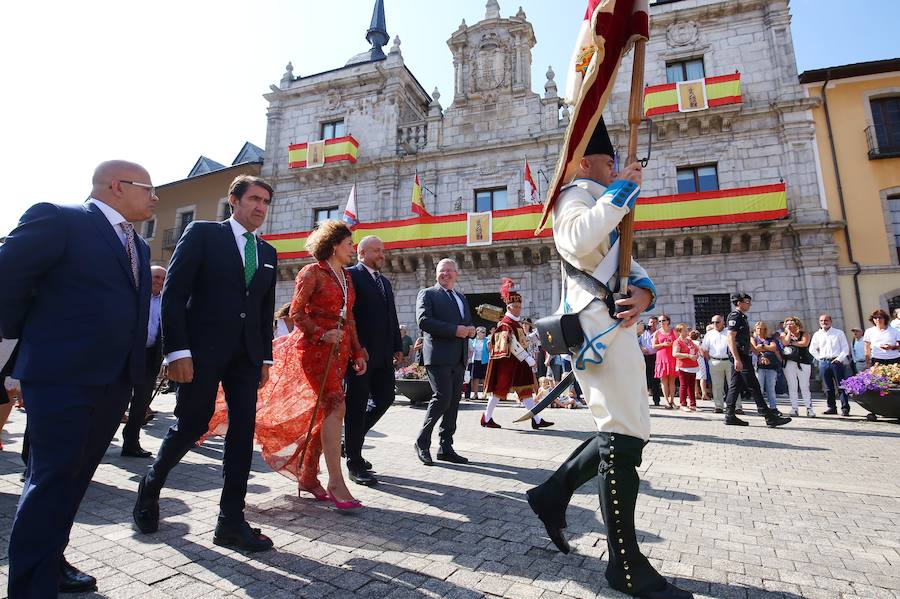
x: 163, y: 82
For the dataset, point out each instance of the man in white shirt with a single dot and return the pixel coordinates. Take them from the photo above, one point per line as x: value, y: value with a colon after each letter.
x: 715, y: 349
x: 646, y: 342
x: 859, y: 350
x: 142, y: 393
x: 830, y: 349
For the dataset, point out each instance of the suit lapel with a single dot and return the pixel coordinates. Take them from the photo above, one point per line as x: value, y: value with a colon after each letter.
x: 370, y: 281
x: 233, y: 252
x: 260, y: 261
x: 112, y: 238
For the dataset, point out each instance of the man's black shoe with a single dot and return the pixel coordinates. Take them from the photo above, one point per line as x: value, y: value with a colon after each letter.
x: 146, y: 509
x: 830, y: 412
x: 774, y: 420
x: 424, y: 455
x: 241, y: 537
x: 554, y: 530
x: 363, y: 477
x: 845, y: 413
x: 453, y: 457
x: 739, y: 412
x: 367, y: 465
x: 135, y: 451
x: 73, y: 580
x: 669, y: 591
x: 735, y: 421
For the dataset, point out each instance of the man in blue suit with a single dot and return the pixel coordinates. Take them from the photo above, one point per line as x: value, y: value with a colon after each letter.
x: 76, y: 292
x: 446, y: 322
x: 379, y: 332
x: 218, y: 303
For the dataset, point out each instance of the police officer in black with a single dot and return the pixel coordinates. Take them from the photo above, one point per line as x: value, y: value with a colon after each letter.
x: 742, y: 376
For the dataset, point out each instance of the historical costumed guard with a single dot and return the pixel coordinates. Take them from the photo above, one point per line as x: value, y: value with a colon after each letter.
x: 743, y: 378
x: 588, y: 200
x: 510, y: 367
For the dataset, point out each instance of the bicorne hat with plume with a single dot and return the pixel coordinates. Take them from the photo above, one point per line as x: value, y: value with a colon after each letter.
x: 508, y: 294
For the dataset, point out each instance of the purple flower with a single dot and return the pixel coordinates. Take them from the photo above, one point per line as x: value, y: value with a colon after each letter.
x: 866, y: 381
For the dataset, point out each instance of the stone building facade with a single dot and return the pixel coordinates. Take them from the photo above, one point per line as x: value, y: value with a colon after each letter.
x: 470, y: 155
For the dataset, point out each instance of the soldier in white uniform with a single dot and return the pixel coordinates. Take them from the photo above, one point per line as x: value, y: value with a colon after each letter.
x: 609, y: 368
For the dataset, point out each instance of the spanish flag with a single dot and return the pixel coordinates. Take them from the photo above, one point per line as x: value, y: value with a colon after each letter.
x: 418, y: 204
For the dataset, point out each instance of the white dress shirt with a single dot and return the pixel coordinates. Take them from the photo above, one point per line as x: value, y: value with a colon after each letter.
x: 716, y: 344
x: 831, y: 344
x: 153, y: 321
x: 113, y: 216
x: 238, y: 230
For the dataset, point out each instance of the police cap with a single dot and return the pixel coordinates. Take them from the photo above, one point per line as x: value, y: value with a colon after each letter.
x: 739, y: 296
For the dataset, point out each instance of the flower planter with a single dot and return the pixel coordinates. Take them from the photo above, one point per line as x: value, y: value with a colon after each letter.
x: 415, y: 391
x: 883, y: 405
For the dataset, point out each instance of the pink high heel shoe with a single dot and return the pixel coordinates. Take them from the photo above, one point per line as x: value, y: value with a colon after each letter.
x: 319, y: 494
x: 344, y: 506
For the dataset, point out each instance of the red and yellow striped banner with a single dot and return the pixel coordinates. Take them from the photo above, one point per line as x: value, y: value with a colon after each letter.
x: 663, y: 99
x: 336, y: 149
x: 766, y: 202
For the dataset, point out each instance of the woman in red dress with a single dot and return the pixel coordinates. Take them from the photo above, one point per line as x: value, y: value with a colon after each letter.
x: 320, y: 347
x: 662, y: 340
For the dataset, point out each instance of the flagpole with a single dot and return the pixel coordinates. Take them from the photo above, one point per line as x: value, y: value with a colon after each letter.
x: 635, y: 116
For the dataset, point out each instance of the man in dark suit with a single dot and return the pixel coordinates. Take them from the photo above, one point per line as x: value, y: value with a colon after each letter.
x: 379, y: 332
x: 446, y: 322
x: 76, y: 288
x: 217, y: 309
x: 142, y: 393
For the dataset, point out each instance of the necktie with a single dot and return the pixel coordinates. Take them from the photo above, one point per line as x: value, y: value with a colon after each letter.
x: 249, y: 258
x: 380, y: 284
x: 130, y: 249
x: 453, y: 299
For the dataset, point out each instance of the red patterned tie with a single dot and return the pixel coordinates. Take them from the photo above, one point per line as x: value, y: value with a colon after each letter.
x: 130, y: 249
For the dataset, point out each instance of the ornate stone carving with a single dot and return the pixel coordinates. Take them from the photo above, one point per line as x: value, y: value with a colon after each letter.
x: 333, y: 99
x: 682, y: 33
x: 491, y: 63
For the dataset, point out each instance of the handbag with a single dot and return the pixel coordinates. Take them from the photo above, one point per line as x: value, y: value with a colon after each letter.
x: 562, y: 333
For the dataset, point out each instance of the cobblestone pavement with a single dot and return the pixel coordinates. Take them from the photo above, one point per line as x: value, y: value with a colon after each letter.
x: 809, y: 510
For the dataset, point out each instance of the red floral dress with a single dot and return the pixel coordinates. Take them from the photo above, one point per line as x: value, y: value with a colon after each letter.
x: 286, y: 403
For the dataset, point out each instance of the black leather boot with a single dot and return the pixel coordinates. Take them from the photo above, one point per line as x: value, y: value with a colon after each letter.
x: 550, y: 499
x: 627, y: 570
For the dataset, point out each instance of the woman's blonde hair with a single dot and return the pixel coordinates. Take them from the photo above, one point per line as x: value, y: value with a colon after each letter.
x: 795, y: 319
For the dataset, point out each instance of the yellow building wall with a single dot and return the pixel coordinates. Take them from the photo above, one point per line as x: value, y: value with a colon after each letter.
x: 864, y: 182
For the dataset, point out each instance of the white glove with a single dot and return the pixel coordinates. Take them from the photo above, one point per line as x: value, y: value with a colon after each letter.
x: 530, y: 361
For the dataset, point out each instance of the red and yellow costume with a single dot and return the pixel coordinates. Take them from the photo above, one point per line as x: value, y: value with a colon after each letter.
x: 508, y: 371
x: 510, y: 367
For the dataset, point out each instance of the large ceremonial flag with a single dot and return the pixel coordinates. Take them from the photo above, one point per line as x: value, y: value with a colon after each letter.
x: 530, y: 186
x: 609, y: 29
x: 418, y: 204
x: 349, y: 216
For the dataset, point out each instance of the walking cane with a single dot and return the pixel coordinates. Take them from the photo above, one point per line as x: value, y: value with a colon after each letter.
x: 334, y: 350
x: 635, y: 116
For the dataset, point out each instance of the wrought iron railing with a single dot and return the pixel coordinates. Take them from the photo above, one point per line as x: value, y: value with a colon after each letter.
x: 883, y: 144
x: 171, y: 237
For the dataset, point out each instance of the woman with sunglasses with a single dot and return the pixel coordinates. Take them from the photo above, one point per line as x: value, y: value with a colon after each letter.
x: 663, y: 339
x: 882, y: 341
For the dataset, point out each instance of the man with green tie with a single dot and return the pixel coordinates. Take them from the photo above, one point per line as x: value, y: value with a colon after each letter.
x: 217, y: 308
